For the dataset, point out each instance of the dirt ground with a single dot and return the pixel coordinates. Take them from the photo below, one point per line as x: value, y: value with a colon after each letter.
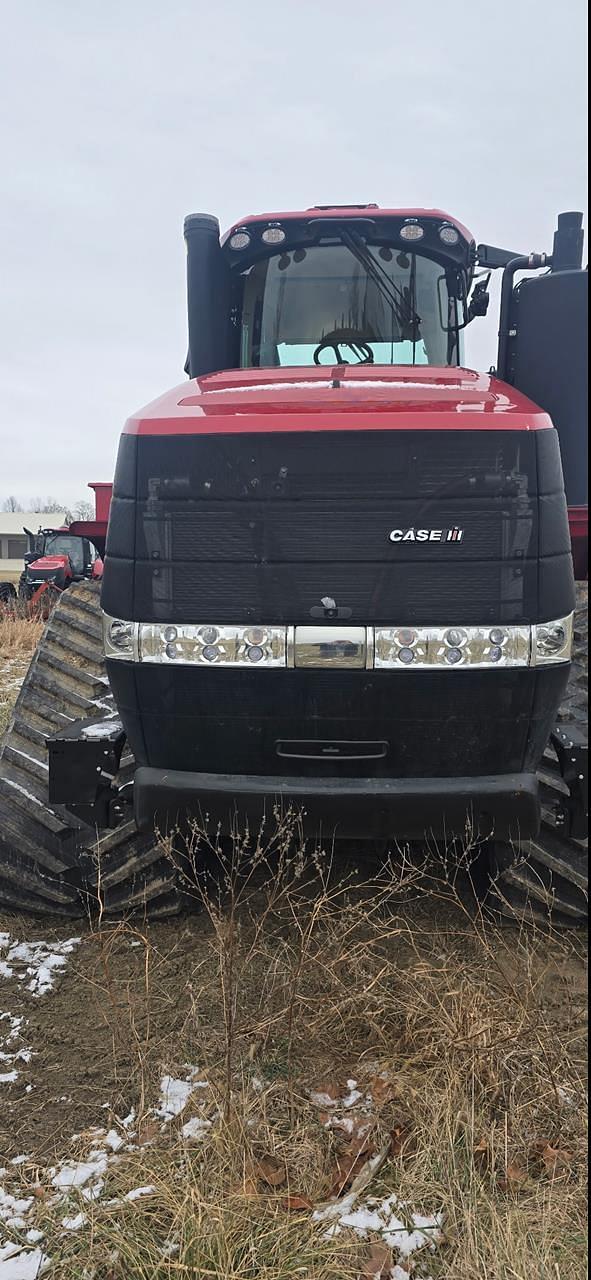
x: 85, y: 1033
x: 124, y: 1011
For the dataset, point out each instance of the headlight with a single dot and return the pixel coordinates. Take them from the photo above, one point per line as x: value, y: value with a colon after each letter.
x: 552, y: 641
x: 210, y: 646
x: 120, y: 637
x: 401, y: 648
x: 474, y: 647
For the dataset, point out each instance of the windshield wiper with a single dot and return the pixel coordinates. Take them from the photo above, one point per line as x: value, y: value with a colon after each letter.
x: 406, y: 316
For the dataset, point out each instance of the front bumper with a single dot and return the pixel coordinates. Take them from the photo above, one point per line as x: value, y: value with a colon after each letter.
x: 506, y: 805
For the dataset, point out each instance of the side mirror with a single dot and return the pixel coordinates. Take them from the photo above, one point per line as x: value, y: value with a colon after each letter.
x: 455, y: 304
x: 492, y: 258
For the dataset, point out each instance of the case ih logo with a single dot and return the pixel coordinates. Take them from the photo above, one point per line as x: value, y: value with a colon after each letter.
x: 427, y: 535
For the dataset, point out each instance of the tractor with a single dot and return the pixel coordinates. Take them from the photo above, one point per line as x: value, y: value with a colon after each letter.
x: 339, y: 575
x: 54, y: 560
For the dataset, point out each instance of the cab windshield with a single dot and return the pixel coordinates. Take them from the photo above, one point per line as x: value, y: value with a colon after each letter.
x: 322, y: 305
x: 63, y: 544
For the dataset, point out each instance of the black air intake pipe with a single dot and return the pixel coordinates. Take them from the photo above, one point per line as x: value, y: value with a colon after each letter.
x: 208, y: 291
x: 531, y: 262
x: 567, y: 254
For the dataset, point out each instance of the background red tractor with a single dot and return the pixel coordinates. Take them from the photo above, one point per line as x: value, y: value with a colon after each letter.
x: 58, y: 557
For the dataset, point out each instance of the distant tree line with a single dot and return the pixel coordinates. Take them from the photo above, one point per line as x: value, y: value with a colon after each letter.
x: 83, y: 510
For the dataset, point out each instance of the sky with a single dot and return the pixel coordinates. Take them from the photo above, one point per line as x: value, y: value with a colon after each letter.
x: 118, y: 117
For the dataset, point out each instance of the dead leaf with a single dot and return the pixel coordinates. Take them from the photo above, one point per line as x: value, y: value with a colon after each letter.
x: 382, y: 1090
x: 147, y: 1131
x: 379, y: 1263
x: 327, y: 1092
x: 270, y: 1171
x: 296, y: 1204
x: 515, y: 1177
x: 350, y: 1160
x: 553, y: 1158
x: 399, y: 1137
x: 353, y: 1127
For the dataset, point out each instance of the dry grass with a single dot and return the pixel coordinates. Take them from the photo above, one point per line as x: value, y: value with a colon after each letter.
x: 18, y: 639
x: 19, y: 636
x: 467, y: 1041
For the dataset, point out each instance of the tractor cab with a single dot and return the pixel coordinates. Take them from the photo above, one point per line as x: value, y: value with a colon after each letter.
x: 55, y: 559
x: 60, y: 544
x: 330, y: 287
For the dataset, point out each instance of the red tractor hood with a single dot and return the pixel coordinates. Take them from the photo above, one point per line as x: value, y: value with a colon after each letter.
x: 346, y: 397
x: 50, y: 564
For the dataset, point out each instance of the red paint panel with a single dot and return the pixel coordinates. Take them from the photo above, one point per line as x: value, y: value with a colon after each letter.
x: 354, y: 211
x: 344, y: 398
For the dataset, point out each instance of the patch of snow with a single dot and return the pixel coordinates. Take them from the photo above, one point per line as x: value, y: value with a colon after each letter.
x: 354, y: 1095
x: 10, y: 1030
x: 74, y: 1224
x: 23, y: 790
x: 113, y: 1140
x: 40, y: 763
x: 40, y: 962
x: 33, y: 1236
x: 406, y: 1235
x: 102, y: 730
x: 195, y: 1128
x: 94, y: 1190
x: 77, y: 1175
x: 169, y: 1249
x: 175, y: 1094
x: 19, y: 1264
x: 139, y: 1192
x: 320, y: 1099
x: 11, y: 1207
x: 349, y: 1099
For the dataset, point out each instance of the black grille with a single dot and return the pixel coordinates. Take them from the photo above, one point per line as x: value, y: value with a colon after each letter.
x: 332, y: 532
x: 262, y: 527
x: 423, y: 593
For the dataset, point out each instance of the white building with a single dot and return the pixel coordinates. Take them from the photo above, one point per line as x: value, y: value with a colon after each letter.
x: 13, y: 539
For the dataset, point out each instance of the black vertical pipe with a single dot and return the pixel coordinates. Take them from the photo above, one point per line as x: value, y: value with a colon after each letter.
x: 567, y: 254
x: 206, y: 294
x: 532, y: 262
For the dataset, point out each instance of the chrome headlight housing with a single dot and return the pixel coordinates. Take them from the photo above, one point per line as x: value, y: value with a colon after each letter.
x: 552, y: 641
x: 420, y: 648
x: 120, y: 638
x: 208, y: 645
x: 406, y: 648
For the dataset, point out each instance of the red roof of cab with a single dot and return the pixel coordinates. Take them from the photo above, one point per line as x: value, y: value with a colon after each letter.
x: 353, y: 211
x: 341, y: 398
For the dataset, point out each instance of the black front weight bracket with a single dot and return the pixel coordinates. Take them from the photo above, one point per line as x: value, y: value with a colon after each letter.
x: 571, y: 750
x: 84, y: 760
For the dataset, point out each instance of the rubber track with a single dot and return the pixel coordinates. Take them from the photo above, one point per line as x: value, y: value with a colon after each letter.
x: 49, y: 861
x: 547, y: 879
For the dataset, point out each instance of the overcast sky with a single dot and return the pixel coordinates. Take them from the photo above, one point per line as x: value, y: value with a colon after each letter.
x: 120, y: 116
